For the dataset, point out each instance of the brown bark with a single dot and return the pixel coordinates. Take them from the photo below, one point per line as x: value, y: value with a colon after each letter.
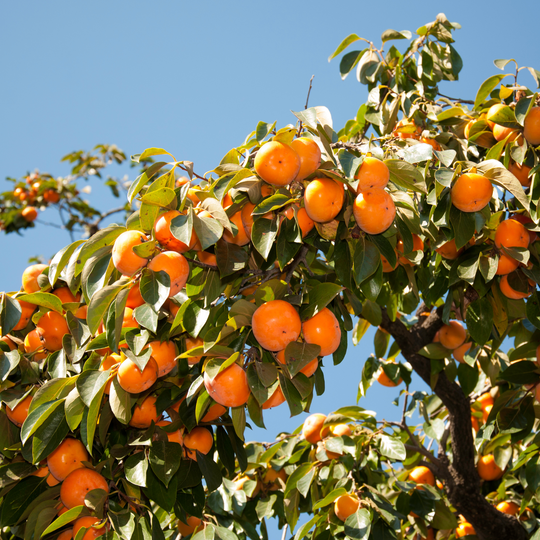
x: 463, y: 485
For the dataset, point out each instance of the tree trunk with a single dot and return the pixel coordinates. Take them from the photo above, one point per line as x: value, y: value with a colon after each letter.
x: 463, y: 485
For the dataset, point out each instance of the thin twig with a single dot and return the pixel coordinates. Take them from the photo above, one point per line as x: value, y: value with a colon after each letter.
x: 284, y: 535
x: 456, y: 99
x: 306, y: 106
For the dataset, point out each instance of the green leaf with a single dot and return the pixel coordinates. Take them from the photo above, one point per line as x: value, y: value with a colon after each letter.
x: 263, y: 129
x: 308, y: 117
x: 208, y: 230
x: 101, y: 301
x: 392, y: 447
x: 505, y: 117
x: 10, y: 313
x: 46, y: 300
x: 358, y: 525
x: 89, y: 384
x: 349, y: 61
x: 330, y: 498
x: 297, y: 475
x: 20, y: 498
x: 275, y: 202
x: 388, y: 35
x: 499, y: 175
x: 263, y: 235
x: 165, y: 458
x: 136, y: 469
x: 60, y: 260
x: 366, y: 260
x: 143, y: 179
x: 480, y: 320
x: 406, y: 175
x: 351, y: 38
x: 434, y: 351
x: 210, y: 469
x: 161, y: 198
x: 485, y: 89
x: 155, y: 287
x: 146, y: 316
x: 38, y: 417
x: 299, y: 355
x: 149, y: 152
x: 468, y: 378
x: 524, y: 372
x: 464, y: 226
x: 319, y: 297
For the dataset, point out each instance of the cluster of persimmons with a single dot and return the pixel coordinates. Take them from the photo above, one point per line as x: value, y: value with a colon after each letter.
x: 275, y: 323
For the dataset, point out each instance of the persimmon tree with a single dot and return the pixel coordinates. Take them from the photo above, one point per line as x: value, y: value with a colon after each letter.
x: 134, y: 360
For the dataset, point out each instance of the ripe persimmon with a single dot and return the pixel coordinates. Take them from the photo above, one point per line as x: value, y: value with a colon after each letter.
x: 66, y: 535
x: 175, y: 265
x: 346, y: 505
x: 108, y: 362
x: 193, y: 523
x: 511, y: 293
x: 341, y: 429
x: 323, y: 329
x: 241, y: 238
x: 511, y: 233
x: 407, y: 129
x: 67, y: 297
x: 162, y: 229
x: 464, y: 529
x: 386, y: 266
x: 418, y: 245
x: 125, y: 260
x: 20, y: 412
x: 531, y: 126
x: 192, y: 343
x: 459, y: 352
x: 134, y: 297
x: 304, y: 221
x: 323, y: 199
x: 422, y: 475
x: 30, y: 278
x: 491, y: 112
x: 313, y: 427
x: 276, y: 324
x: 452, y: 335
x: 432, y: 142
x: 164, y: 353
x: 449, y: 250
x: 508, y: 507
x: 374, y: 210
x: 521, y: 172
x: 144, y: 414
x: 485, y: 400
x: 43, y: 472
x: 488, y: 469
x: 67, y: 457
x: 129, y: 321
x: 501, y: 132
x: 78, y: 483
x: 8, y: 342
x: 506, y: 264
x: 133, y: 380
x: 214, y: 412
x: 373, y: 173
x: 277, y: 163
x: 310, y: 156
x: 33, y: 344
x: 89, y: 522
x: 277, y: 398
x: 29, y: 213
x: 200, y: 439
x: 207, y: 258
x: 52, y: 327
x: 174, y: 436
x: 471, y: 192
x: 272, y: 478
x: 382, y: 378
x: 51, y: 196
x: 27, y: 309
x: 308, y: 370
x: 229, y: 387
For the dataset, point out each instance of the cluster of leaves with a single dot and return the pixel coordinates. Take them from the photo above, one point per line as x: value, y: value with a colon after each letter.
x: 337, y: 266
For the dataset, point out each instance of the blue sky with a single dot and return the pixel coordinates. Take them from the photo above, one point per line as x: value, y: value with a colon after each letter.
x: 195, y: 78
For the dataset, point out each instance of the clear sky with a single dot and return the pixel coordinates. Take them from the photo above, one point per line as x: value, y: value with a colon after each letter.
x: 195, y: 78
